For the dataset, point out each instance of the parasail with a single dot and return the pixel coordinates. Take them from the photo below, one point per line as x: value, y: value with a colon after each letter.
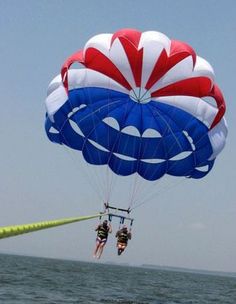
x: 140, y: 103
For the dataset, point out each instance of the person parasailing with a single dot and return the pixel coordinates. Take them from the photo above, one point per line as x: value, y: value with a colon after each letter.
x: 123, y: 235
x: 102, y: 236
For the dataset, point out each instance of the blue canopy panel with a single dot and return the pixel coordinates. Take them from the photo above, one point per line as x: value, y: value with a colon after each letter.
x: 80, y: 125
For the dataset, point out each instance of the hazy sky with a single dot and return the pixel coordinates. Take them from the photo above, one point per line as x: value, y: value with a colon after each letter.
x: 188, y: 223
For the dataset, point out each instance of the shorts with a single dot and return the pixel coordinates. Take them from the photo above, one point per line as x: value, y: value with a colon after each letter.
x: 98, y: 239
x: 121, y: 244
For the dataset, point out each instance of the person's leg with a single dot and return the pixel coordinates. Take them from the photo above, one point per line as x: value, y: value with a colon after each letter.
x: 96, y: 248
x: 100, y: 251
x: 118, y: 248
x: 121, y: 248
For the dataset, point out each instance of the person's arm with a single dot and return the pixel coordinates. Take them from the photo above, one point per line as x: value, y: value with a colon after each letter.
x: 129, y: 235
x: 110, y: 228
x: 97, y: 228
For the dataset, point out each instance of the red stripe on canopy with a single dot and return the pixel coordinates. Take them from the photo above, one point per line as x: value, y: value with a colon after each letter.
x: 97, y: 61
x: 196, y: 86
x: 76, y: 57
x: 178, y: 52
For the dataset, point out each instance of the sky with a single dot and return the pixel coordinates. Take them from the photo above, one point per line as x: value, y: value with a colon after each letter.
x: 187, y: 223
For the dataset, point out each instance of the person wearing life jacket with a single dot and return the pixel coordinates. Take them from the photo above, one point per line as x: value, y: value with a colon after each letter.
x: 123, y: 235
x: 102, y: 235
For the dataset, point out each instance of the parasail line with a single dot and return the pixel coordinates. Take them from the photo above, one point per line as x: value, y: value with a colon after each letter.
x: 15, y: 230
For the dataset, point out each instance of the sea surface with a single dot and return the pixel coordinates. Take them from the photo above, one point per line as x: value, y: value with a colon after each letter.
x: 26, y: 280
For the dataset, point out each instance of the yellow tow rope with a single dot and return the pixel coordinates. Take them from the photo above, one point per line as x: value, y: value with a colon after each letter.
x: 9, y: 231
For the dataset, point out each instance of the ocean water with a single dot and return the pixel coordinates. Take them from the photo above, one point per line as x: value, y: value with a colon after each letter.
x: 26, y: 280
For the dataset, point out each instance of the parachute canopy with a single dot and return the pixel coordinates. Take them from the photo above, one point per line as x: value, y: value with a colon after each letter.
x: 139, y: 103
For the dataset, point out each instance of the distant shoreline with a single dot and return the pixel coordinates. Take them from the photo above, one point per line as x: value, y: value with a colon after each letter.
x: 147, y: 266
x: 190, y: 270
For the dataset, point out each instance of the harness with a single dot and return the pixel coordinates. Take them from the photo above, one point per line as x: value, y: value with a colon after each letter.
x: 123, y: 237
x: 102, y: 232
